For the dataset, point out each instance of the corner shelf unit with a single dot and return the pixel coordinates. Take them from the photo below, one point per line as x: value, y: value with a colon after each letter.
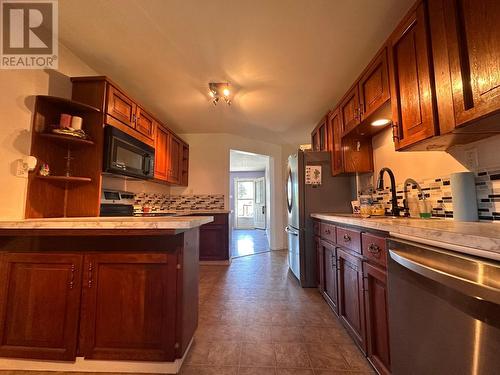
x: 73, y: 187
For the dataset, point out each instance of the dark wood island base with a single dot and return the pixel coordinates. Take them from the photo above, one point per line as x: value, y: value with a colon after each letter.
x: 107, y: 295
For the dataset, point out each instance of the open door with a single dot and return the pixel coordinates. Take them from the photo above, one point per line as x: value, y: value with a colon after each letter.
x: 259, y: 211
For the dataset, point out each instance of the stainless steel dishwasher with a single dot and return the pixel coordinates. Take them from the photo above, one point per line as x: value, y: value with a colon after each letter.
x: 444, y: 311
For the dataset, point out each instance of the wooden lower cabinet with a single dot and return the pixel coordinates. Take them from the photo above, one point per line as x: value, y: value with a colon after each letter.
x: 39, y: 305
x: 377, y: 325
x: 350, y: 295
x: 214, y: 239
x: 129, y: 307
x: 330, y: 270
x: 320, y: 264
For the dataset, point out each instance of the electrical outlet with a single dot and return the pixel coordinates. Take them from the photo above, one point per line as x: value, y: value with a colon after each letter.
x: 471, y: 161
x: 21, y: 169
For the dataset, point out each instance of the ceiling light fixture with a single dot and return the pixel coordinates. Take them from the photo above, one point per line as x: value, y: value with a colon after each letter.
x: 218, y: 90
x: 381, y: 122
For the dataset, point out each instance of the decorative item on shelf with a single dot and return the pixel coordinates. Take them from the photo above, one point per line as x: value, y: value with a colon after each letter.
x: 218, y: 90
x: 76, y: 123
x: 65, y: 121
x: 356, y: 209
x: 71, y: 132
x: 44, y: 169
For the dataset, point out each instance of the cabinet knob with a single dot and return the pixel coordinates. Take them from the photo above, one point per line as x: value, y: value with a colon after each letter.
x: 374, y: 249
x: 347, y: 238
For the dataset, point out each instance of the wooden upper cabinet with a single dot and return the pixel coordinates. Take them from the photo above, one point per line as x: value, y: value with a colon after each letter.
x: 374, y: 85
x: 120, y: 106
x: 128, y: 310
x: 175, y: 156
x: 319, y: 136
x: 161, y: 153
x: 39, y: 305
x: 337, y: 155
x: 412, y: 92
x: 466, y: 50
x: 145, y: 123
x: 349, y: 110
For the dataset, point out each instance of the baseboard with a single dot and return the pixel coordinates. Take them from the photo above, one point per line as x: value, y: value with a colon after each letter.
x: 90, y: 365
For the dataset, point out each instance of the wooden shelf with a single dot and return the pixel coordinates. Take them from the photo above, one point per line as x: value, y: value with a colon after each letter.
x: 65, y: 179
x: 70, y: 104
x: 66, y: 139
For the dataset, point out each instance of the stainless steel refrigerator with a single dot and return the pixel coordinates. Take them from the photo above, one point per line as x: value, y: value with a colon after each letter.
x: 334, y: 194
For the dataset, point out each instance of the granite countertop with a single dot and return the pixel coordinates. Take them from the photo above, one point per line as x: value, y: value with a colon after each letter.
x: 475, y: 238
x: 138, y: 223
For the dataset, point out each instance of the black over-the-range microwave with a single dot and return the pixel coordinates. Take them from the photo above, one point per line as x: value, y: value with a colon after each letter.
x: 125, y: 155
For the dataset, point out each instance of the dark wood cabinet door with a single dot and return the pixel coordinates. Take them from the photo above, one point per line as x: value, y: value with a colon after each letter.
x: 411, y: 90
x: 378, y: 349
x: 39, y: 305
x: 330, y: 267
x: 174, y: 160
x: 128, y: 310
x: 350, y: 295
x: 185, y: 165
x: 145, y: 123
x: 315, y: 140
x: 214, y: 241
x: 161, y: 153
x: 120, y: 106
x: 349, y: 110
x: 337, y: 153
x: 320, y: 264
x: 374, y: 85
x: 466, y: 44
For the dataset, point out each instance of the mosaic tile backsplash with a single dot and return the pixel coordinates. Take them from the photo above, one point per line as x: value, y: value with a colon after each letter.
x: 163, y: 202
x: 438, y: 192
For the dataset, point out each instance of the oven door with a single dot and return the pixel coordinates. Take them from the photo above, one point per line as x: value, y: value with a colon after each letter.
x: 127, y: 156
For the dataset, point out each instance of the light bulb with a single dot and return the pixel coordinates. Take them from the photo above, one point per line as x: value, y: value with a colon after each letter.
x: 226, y: 92
x: 211, y: 93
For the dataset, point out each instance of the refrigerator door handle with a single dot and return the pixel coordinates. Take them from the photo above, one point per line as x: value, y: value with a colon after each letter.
x: 289, y: 231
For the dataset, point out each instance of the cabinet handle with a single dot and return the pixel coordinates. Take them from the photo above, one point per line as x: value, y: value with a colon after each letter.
x: 90, y: 274
x: 347, y: 238
x: 374, y: 249
x: 327, y: 231
x: 395, y: 131
x: 72, y: 277
x: 334, y: 266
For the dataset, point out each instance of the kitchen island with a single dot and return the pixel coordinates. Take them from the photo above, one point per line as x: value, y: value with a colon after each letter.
x: 98, y: 294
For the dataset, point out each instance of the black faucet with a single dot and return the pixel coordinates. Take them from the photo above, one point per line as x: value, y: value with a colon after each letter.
x: 380, y: 186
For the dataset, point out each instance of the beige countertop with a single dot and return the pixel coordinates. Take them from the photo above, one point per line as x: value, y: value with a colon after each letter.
x: 478, y: 238
x: 137, y: 223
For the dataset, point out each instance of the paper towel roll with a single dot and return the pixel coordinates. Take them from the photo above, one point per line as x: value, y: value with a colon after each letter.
x: 463, y: 192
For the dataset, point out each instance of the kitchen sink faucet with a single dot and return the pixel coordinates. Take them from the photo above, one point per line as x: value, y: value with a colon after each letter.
x: 405, y: 191
x: 380, y: 186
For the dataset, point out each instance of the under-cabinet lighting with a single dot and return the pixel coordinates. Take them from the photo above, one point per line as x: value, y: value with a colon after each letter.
x: 381, y: 122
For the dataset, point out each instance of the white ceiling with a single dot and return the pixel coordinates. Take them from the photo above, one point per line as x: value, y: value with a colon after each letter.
x: 289, y: 60
x: 240, y: 161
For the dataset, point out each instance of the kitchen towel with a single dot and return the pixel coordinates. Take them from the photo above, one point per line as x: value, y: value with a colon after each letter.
x: 463, y: 192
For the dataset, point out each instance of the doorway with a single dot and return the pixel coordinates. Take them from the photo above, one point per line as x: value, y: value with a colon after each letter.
x: 249, y: 202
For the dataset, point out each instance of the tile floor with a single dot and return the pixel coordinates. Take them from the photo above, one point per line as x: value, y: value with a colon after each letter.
x: 256, y: 320
x: 248, y: 242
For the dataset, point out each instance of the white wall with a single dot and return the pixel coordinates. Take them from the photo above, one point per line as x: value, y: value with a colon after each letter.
x: 16, y: 109
x: 428, y: 164
x: 209, y: 172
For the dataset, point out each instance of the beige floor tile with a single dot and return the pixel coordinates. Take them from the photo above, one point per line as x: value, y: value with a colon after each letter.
x: 286, y: 334
x: 294, y: 371
x: 257, y: 371
x: 291, y: 355
x: 209, y: 370
x: 259, y: 354
x: 327, y: 356
x: 257, y: 333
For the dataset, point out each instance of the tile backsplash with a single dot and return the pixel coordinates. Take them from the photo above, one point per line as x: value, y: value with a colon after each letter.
x: 164, y: 202
x: 438, y: 192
